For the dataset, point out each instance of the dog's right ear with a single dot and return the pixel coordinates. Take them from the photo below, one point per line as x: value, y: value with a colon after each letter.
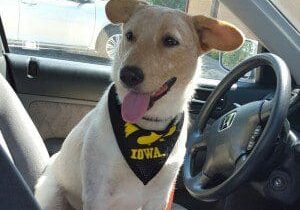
x: 119, y: 11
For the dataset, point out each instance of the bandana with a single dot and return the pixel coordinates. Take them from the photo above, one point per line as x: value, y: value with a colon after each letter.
x: 145, y: 151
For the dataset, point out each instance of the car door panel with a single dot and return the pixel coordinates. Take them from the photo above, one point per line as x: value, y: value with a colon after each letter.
x: 55, y: 117
x: 59, y: 78
x: 60, y: 95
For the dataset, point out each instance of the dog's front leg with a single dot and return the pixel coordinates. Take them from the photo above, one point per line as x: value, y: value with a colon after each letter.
x: 95, y: 190
x: 157, y: 203
x: 162, y: 201
x: 94, y: 196
x: 97, y: 201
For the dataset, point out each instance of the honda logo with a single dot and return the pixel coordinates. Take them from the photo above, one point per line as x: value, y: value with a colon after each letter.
x: 227, y: 121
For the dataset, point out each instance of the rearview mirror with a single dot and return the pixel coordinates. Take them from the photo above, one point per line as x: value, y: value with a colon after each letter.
x: 228, y: 60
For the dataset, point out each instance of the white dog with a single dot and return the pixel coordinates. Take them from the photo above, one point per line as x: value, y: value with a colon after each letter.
x: 126, y: 153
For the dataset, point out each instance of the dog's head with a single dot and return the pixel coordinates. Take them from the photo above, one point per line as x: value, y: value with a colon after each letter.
x: 158, y: 54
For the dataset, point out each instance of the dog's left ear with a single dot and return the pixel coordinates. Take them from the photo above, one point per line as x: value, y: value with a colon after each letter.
x: 215, y: 34
x: 119, y: 11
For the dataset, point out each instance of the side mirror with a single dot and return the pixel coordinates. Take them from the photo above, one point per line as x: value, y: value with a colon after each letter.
x: 228, y: 60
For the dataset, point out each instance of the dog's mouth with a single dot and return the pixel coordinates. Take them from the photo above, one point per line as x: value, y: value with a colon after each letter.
x: 135, y: 104
x: 162, y: 91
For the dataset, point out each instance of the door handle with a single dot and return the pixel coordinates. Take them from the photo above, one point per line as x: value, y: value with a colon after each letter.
x: 29, y: 2
x: 33, y: 68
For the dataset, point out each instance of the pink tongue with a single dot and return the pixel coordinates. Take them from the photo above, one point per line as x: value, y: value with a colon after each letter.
x: 134, y: 106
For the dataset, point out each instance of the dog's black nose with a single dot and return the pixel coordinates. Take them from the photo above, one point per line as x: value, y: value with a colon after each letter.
x: 131, y: 76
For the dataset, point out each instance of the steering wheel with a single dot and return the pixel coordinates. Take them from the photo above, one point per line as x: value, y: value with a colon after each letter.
x: 238, y: 141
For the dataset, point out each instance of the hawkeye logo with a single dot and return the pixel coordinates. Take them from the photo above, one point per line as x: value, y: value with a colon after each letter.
x: 149, y: 152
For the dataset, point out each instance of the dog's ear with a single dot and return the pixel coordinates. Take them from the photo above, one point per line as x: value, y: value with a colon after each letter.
x: 119, y: 11
x: 215, y: 34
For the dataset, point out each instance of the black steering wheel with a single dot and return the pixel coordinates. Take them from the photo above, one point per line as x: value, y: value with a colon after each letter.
x: 237, y: 142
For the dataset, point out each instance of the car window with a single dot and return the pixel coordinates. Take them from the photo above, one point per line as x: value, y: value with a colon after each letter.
x: 64, y: 29
x: 216, y: 65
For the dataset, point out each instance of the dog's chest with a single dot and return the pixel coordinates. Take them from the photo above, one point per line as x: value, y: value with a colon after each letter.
x: 109, y: 177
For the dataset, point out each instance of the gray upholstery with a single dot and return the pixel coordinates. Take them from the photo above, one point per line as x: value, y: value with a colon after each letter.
x: 21, y: 136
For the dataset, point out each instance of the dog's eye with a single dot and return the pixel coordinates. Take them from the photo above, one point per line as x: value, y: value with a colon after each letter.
x: 169, y: 41
x: 129, y: 36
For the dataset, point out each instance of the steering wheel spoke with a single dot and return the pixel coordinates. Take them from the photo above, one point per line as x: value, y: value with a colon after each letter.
x: 196, y: 140
x: 266, y: 110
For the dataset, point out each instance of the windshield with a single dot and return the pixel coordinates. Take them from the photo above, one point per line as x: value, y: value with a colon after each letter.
x: 290, y: 9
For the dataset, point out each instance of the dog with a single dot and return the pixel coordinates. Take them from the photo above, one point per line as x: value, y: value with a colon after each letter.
x: 123, y: 154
